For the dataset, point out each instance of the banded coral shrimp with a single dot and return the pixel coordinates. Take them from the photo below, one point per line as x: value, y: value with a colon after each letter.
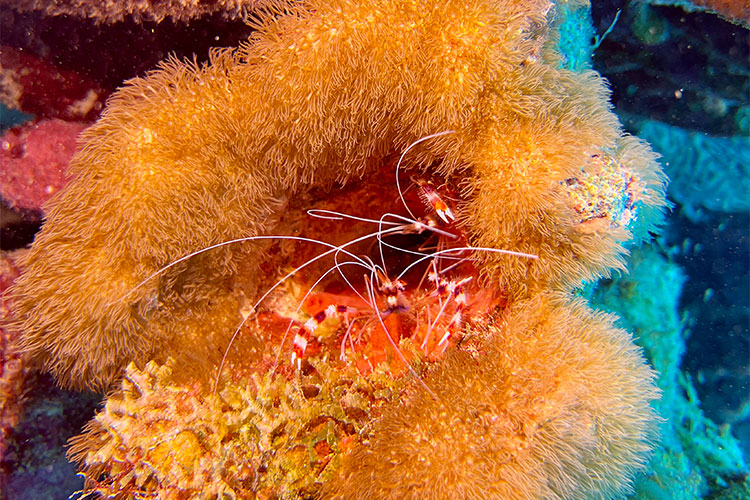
x: 395, y: 297
x: 439, y: 306
x: 419, y: 241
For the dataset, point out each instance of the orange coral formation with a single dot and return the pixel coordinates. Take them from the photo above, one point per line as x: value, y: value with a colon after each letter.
x: 555, y: 406
x: 527, y: 412
x: 315, y: 112
x: 192, y: 156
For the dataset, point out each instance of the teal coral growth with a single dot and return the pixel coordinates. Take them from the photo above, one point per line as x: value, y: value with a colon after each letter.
x: 705, y: 172
x: 576, y: 35
x: 695, y: 459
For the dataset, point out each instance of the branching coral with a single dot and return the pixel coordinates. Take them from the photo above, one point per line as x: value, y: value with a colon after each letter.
x: 264, y: 436
x: 314, y: 112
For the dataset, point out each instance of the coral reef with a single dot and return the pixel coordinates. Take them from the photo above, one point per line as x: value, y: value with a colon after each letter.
x: 687, y: 96
x: 550, y: 409
x: 130, y: 157
x: 696, y: 459
x: 737, y: 11
x: 11, y: 359
x: 33, y: 162
x: 528, y: 381
x: 705, y: 172
x: 315, y: 112
x: 112, y: 11
x: 39, y: 87
x: 265, y: 436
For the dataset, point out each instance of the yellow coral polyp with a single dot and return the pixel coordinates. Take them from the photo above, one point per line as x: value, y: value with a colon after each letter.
x: 146, y: 136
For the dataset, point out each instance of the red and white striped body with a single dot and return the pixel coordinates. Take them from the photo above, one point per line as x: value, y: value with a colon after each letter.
x: 430, y: 196
x: 302, y: 337
x: 450, y: 289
